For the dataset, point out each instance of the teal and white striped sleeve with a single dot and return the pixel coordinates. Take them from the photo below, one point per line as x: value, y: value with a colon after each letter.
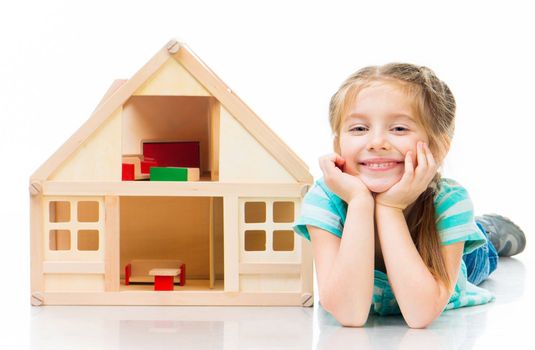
x: 319, y: 209
x: 454, y: 215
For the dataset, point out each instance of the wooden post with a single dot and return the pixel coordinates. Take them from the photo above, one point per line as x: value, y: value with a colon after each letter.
x: 36, y: 243
x: 307, y: 296
x: 112, y: 244
x: 211, y: 243
x: 231, y: 243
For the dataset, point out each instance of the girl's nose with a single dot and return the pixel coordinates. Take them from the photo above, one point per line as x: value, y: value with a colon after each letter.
x: 378, y: 141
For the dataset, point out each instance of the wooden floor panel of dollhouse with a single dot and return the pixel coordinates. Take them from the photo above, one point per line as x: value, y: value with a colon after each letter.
x: 191, y: 285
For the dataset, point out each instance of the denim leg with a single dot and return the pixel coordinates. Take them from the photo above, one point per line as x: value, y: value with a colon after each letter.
x: 481, y: 262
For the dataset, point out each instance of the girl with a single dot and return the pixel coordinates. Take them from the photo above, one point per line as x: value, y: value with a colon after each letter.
x: 382, y: 206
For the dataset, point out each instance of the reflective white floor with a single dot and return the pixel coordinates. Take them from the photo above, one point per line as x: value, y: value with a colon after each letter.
x: 503, y: 323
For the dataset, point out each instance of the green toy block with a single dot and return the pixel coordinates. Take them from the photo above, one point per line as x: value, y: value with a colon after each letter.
x: 168, y: 174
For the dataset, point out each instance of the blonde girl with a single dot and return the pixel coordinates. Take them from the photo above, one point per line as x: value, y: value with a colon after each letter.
x: 388, y: 232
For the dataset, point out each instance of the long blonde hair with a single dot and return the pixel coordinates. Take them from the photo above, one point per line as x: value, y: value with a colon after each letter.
x: 434, y: 107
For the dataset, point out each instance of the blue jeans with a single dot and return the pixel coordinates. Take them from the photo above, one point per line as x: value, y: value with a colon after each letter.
x: 481, y: 262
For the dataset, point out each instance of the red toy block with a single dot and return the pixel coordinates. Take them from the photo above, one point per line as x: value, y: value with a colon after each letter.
x: 127, y: 274
x: 182, y: 274
x: 146, y: 163
x: 128, y: 172
x: 163, y: 282
x: 174, y: 154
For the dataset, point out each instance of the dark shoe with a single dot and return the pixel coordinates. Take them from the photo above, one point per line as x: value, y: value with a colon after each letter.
x: 506, y: 236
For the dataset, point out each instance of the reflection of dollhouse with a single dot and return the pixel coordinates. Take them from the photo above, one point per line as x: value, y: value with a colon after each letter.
x: 230, y: 224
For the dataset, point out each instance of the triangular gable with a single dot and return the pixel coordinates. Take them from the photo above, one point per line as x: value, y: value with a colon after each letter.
x: 239, y: 150
x: 172, y: 79
x: 211, y: 83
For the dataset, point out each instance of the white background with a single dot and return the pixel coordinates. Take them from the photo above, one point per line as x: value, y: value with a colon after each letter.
x: 284, y: 59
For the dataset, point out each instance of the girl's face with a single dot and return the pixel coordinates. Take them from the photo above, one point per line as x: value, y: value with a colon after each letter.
x: 378, y: 131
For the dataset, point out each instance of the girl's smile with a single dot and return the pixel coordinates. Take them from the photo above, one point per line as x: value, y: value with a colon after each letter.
x: 380, y: 164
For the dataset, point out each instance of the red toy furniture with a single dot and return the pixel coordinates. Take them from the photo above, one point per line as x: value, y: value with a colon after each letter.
x: 138, y: 271
x: 177, y: 154
x: 163, y: 278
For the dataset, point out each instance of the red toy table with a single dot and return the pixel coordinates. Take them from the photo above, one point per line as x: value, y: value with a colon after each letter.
x: 163, y: 278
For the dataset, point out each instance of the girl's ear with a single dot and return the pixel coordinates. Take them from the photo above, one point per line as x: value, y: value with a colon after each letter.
x: 336, y: 144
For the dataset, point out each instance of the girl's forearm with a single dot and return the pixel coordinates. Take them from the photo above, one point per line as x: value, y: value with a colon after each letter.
x: 414, y: 286
x: 350, y: 283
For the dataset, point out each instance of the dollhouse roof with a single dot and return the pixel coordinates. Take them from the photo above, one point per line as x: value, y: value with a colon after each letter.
x: 210, y: 84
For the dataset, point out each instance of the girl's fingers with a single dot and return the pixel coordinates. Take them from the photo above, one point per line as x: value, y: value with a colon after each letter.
x: 409, y: 168
x: 422, y: 160
x: 323, y: 161
x: 328, y: 163
x: 339, y: 162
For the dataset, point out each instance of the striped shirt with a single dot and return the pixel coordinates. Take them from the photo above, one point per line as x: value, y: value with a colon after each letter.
x: 455, y: 223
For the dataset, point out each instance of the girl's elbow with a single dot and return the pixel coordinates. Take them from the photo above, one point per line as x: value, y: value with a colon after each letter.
x: 416, y: 325
x: 346, y: 316
x: 419, y: 324
x: 355, y: 322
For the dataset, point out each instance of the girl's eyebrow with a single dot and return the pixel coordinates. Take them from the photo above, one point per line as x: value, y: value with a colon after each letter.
x: 391, y: 116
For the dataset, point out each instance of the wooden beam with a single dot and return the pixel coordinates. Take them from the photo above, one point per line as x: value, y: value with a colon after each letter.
x: 231, y: 243
x: 86, y: 267
x: 171, y: 188
x: 36, y: 243
x: 307, y: 286
x: 205, y: 297
x: 211, y: 244
x: 112, y: 243
x: 111, y: 90
x: 270, y: 268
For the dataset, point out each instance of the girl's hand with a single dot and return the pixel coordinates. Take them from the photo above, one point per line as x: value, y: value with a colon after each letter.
x: 413, y: 183
x: 346, y: 186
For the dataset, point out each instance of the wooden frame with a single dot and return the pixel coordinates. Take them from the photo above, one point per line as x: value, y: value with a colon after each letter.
x: 164, y: 188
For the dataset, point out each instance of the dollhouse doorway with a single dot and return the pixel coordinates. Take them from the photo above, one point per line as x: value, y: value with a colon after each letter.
x: 189, y: 229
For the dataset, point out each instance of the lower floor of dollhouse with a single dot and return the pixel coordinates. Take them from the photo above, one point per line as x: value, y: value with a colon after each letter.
x: 86, y: 259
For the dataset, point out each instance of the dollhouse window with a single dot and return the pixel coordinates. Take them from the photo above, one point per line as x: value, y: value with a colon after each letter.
x: 255, y: 240
x: 283, y: 212
x: 267, y: 225
x: 87, y: 240
x: 88, y: 211
x: 74, y: 226
x: 59, y: 240
x: 59, y: 211
x: 283, y: 240
x: 255, y: 212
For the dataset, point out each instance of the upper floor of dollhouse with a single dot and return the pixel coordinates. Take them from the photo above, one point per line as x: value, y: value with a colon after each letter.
x: 174, y: 113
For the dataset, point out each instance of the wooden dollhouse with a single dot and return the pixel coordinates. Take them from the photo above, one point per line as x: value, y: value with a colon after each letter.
x: 171, y: 173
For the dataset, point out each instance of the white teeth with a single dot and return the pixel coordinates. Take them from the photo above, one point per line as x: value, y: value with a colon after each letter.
x: 380, y: 165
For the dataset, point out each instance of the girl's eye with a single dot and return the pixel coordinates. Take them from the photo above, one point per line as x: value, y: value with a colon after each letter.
x: 400, y: 129
x: 358, y: 128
